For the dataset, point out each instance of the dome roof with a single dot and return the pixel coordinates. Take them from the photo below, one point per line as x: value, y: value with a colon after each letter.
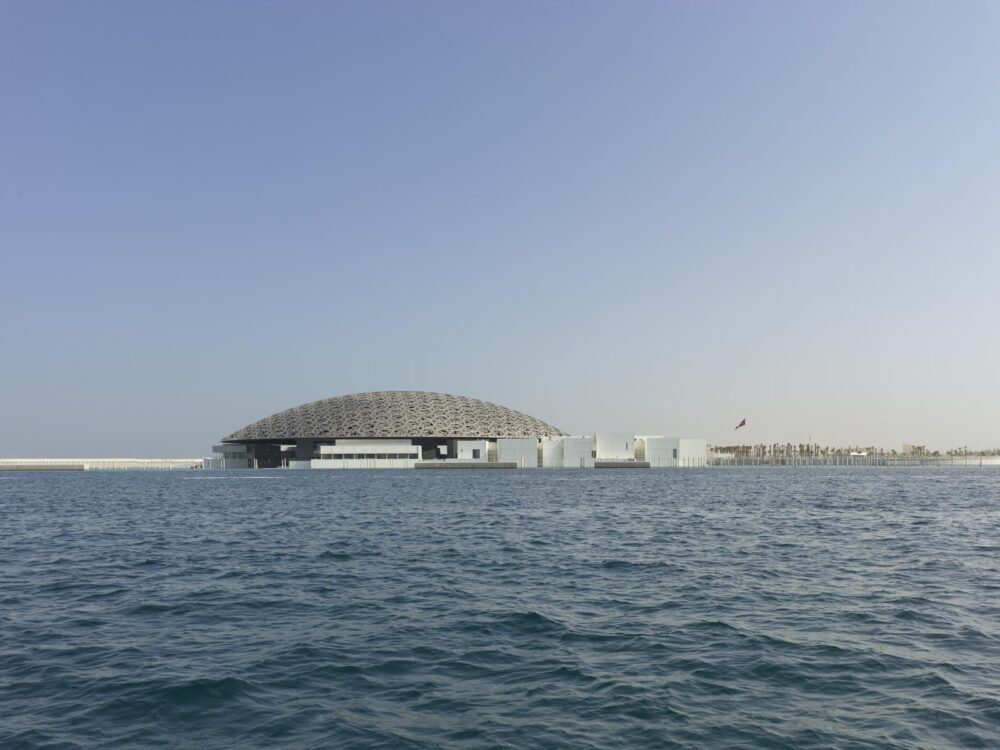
x: 395, y: 414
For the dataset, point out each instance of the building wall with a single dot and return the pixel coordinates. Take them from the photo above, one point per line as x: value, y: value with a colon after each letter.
x: 226, y: 456
x: 552, y: 452
x: 567, y: 452
x: 342, y: 442
x: 659, y: 451
x: 692, y: 452
x: 362, y: 463
x: 465, y: 450
x: 577, y: 453
x: 666, y: 451
x: 368, y: 448
x: 367, y: 454
x: 226, y: 463
x: 305, y: 450
x: 614, y: 446
x: 521, y: 451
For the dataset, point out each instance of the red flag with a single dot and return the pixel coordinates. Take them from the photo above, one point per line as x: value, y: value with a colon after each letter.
x: 743, y: 423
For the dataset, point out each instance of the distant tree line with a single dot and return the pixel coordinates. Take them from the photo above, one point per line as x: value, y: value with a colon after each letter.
x: 806, y: 450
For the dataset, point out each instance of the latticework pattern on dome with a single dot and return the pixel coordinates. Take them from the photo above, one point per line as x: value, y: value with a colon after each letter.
x: 395, y: 414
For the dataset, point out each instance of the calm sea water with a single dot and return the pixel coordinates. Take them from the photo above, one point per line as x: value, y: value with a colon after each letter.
x: 773, y: 608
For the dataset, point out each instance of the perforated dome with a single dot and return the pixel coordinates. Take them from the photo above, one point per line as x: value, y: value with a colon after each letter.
x: 395, y: 414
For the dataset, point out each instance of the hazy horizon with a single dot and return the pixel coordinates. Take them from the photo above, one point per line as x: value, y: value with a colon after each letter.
x: 650, y: 217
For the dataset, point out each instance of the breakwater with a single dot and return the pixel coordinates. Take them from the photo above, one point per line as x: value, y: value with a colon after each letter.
x: 97, y: 464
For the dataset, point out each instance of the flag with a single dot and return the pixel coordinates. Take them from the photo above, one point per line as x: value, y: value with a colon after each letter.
x: 743, y: 423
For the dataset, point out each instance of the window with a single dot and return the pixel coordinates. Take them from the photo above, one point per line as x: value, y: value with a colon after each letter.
x: 475, y: 452
x: 675, y: 453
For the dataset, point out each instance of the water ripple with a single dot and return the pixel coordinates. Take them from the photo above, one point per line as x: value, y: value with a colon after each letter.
x: 563, y: 609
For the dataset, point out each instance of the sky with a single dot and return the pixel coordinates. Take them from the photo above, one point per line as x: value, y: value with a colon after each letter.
x: 647, y: 217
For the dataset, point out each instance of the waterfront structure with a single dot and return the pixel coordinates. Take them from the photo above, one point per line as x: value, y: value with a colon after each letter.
x: 98, y: 464
x: 614, y: 447
x: 661, y: 451
x: 418, y: 429
x: 384, y: 429
x: 567, y: 453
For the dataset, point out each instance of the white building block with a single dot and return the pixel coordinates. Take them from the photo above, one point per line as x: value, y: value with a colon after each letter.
x: 577, y: 453
x: 614, y: 446
x: 470, y: 450
x: 520, y: 451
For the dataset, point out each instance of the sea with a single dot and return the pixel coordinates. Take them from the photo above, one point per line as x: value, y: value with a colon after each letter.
x: 686, y: 608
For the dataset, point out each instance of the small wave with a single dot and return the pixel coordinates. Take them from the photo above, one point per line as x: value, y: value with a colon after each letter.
x: 639, y: 565
x: 911, y: 615
x: 518, y: 623
x: 207, y: 691
x: 395, y: 667
x: 30, y: 738
x: 714, y: 626
x: 331, y: 555
x: 156, y: 609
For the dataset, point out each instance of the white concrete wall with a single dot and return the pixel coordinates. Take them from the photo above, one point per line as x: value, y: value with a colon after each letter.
x: 521, y: 451
x: 614, y: 446
x: 693, y: 452
x: 368, y: 449
x: 552, y: 453
x: 381, y: 453
x: 464, y: 450
x: 577, y: 453
x: 666, y: 451
x: 660, y: 451
x: 395, y: 442
x: 229, y: 456
x: 231, y: 450
x: 362, y: 463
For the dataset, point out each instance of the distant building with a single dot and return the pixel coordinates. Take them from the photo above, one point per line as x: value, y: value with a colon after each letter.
x: 99, y: 464
x: 663, y: 452
x: 416, y: 429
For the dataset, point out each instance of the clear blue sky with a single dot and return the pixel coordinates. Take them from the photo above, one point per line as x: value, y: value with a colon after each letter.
x: 650, y: 216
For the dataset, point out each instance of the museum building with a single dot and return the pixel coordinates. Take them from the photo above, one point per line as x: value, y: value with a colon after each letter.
x: 418, y: 429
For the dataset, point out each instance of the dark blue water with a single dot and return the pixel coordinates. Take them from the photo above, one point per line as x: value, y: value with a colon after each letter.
x: 772, y: 608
